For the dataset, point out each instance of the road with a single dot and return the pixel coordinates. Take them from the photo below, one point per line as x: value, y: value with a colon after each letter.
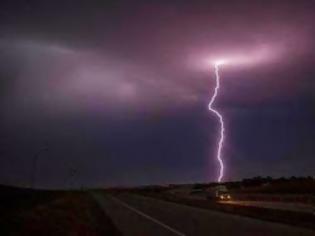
x: 136, y: 215
x: 298, y: 207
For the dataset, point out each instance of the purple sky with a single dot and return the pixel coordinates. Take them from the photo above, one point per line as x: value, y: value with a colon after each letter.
x: 118, y: 91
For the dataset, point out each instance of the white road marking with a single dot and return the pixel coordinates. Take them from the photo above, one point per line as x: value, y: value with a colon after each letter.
x: 147, y: 216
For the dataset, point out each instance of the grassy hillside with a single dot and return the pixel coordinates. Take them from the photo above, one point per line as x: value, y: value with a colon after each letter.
x: 38, y: 212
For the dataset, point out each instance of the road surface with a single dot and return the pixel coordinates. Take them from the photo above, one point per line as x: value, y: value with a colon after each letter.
x: 298, y: 207
x: 135, y: 215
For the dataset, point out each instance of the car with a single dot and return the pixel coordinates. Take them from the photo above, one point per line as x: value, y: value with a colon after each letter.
x: 218, y: 193
x: 224, y: 196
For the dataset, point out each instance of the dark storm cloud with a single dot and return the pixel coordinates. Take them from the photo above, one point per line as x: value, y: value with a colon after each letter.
x: 118, y: 85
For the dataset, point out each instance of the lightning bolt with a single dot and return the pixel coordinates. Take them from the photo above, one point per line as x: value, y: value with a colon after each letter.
x: 220, y: 118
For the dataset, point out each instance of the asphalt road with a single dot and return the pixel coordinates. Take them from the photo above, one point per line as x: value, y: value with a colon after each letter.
x: 135, y: 215
x: 298, y: 207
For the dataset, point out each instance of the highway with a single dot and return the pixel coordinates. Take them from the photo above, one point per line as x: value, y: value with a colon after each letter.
x: 298, y: 207
x: 135, y: 215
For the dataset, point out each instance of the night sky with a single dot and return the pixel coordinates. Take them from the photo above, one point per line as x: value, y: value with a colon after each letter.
x: 118, y: 90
